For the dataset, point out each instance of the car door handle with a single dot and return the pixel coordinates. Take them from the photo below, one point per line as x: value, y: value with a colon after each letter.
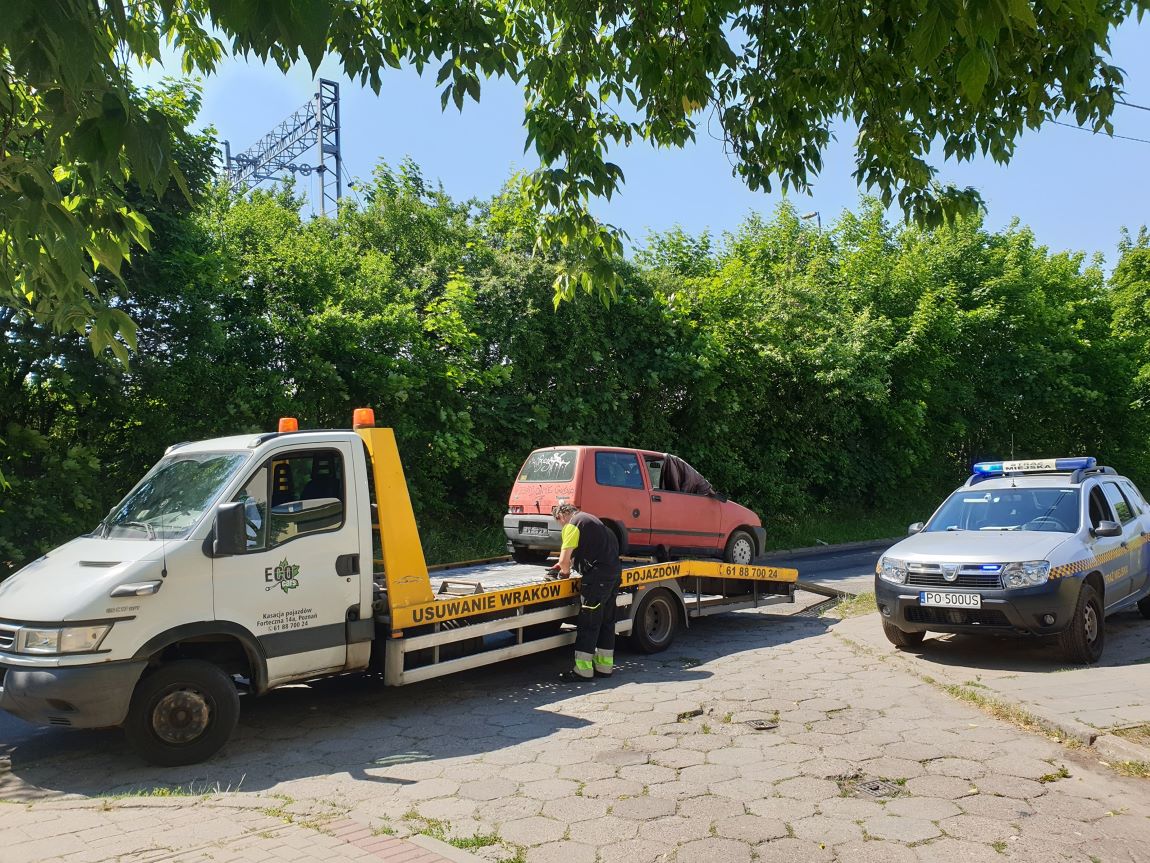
x: 655, y: 498
x: 347, y: 565
x: 1124, y: 545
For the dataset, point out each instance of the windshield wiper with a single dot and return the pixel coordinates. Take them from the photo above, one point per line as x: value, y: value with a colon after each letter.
x: 140, y: 524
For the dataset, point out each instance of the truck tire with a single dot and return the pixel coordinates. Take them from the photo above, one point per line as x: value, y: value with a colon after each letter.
x: 1083, y: 640
x: 656, y: 622
x: 182, y: 713
x: 523, y: 554
x: 740, y: 548
x: 900, y: 637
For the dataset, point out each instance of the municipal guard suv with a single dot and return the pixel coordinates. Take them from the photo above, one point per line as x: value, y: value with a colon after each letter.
x: 1045, y: 547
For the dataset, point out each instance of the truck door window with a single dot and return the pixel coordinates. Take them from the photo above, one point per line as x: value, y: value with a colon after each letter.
x: 1099, y: 508
x: 306, y: 494
x: 620, y: 469
x: 1118, y: 501
x: 1133, y: 496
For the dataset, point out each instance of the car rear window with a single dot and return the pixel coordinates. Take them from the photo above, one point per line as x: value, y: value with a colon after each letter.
x: 549, y: 465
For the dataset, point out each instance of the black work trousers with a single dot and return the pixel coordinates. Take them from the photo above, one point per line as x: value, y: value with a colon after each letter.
x: 595, y: 627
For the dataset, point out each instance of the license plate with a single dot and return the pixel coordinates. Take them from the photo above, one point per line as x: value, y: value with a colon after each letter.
x: 532, y: 529
x: 942, y: 599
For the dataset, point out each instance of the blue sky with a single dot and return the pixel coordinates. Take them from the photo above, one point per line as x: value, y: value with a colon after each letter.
x: 1076, y: 190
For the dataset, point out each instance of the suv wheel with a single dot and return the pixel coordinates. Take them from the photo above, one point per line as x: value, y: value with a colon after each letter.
x: 523, y: 554
x: 1083, y: 640
x: 901, y: 638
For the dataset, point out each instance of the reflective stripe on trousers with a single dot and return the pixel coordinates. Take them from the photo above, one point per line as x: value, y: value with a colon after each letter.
x: 584, y: 666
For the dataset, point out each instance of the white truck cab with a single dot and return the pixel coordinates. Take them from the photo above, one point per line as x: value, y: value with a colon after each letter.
x: 153, y: 585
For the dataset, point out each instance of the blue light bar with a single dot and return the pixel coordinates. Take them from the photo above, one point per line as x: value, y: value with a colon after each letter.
x: 993, y: 468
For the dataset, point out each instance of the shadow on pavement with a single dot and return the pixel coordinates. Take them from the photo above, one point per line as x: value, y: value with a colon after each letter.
x: 355, y: 725
x: 1127, y: 643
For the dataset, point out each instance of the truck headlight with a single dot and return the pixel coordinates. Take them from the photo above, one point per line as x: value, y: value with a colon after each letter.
x: 892, y: 569
x: 1026, y: 574
x: 65, y: 639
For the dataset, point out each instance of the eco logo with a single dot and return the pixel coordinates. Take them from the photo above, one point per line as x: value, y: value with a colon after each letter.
x: 285, y: 576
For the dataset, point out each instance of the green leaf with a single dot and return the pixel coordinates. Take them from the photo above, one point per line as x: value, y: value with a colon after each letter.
x: 972, y: 74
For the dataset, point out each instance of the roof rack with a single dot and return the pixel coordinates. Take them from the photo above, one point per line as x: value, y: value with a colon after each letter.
x: 1082, y: 473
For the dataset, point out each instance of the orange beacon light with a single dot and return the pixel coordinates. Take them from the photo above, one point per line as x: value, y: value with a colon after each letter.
x: 363, y: 418
x: 288, y: 424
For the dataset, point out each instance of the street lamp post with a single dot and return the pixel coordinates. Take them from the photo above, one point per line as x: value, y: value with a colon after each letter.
x: 816, y: 216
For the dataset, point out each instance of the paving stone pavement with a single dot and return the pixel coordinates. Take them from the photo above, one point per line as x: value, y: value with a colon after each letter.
x: 758, y: 737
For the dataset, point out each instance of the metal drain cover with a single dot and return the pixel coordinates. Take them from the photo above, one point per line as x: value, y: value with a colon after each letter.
x: 761, y: 724
x: 874, y: 787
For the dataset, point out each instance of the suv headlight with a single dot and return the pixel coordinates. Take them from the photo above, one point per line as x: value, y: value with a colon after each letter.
x: 64, y: 639
x: 1026, y: 574
x: 892, y: 569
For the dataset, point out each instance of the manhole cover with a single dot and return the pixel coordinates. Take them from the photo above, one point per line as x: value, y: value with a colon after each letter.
x: 874, y: 787
x: 761, y: 724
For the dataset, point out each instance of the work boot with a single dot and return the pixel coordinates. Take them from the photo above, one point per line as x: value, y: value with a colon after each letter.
x: 573, y: 677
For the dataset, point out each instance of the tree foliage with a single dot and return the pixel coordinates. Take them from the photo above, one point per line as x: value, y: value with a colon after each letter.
x: 802, y: 371
x: 913, y: 75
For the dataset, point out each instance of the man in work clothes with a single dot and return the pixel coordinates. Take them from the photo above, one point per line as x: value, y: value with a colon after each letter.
x: 593, y: 550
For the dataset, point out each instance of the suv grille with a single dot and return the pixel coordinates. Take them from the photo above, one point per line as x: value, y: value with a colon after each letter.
x: 7, y: 637
x: 969, y: 577
x: 955, y: 616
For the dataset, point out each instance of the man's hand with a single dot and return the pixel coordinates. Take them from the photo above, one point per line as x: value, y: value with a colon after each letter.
x: 555, y: 573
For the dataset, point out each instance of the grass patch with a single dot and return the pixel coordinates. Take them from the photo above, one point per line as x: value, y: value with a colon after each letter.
x: 479, y: 840
x: 1060, y: 773
x: 855, y: 606
x: 1135, y: 734
x: 461, y: 541
x: 849, y: 524
x: 1137, y: 769
x: 190, y: 790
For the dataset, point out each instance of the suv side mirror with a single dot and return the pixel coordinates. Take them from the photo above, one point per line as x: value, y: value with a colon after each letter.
x: 1107, y: 528
x: 915, y: 528
x: 229, y: 529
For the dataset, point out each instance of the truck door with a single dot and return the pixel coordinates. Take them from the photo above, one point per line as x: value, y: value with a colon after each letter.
x: 1141, y: 571
x: 293, y: 586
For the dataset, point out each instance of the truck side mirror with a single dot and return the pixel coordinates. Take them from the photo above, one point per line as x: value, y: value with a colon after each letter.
x: 1107, y: 528
x: 229, y: 529
x: 915, y: 528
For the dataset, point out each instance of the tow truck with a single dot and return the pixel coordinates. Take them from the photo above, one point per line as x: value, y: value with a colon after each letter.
x: 251, y: 562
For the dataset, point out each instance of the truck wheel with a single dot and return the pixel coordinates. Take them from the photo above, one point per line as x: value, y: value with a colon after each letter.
x: 523, y: 554
x: 1144, y: 607
x: 655, y: 622
x: 900, y: 637
x: 740, y: 548
x: 182, y: 713
x: 1083, y: 640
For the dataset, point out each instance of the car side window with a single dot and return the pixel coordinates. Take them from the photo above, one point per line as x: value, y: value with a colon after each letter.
x: 1134, y: 497
x: 619, y: 469
x: 1099, y: 508
x: 655, y: 471
x: 292, y: 495
x: 1118, y: 501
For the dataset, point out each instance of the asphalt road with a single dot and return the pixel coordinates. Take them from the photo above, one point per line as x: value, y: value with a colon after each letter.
x: 849, y: 569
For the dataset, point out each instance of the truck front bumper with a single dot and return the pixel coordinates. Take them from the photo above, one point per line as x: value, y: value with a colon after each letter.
x: 1020, y: 610
x: 78, y: 696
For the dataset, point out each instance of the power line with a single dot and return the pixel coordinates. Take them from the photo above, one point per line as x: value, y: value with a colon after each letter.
x: 1131, y: 105
x: 1093, y: 132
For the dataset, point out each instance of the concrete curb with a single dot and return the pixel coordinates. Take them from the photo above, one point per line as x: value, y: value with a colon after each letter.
x: 816, y: 550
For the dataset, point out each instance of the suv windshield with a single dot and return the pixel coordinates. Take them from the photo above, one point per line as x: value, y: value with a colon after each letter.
x: 172, y: 497
x: 549, y: 465
x: 1048, y: 509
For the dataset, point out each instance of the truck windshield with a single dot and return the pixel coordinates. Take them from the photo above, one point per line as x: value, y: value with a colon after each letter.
x: 169, y: 501
x: 549, y: 465
x: 1046, y: 509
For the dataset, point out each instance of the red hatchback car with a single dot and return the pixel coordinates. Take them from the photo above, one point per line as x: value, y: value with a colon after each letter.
x: 655, y: 502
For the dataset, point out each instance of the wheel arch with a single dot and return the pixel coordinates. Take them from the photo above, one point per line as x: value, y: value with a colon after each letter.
x: 1095, y: 580
x: 620, y: 531
x: 672, y: 587
x: 228, y: 645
